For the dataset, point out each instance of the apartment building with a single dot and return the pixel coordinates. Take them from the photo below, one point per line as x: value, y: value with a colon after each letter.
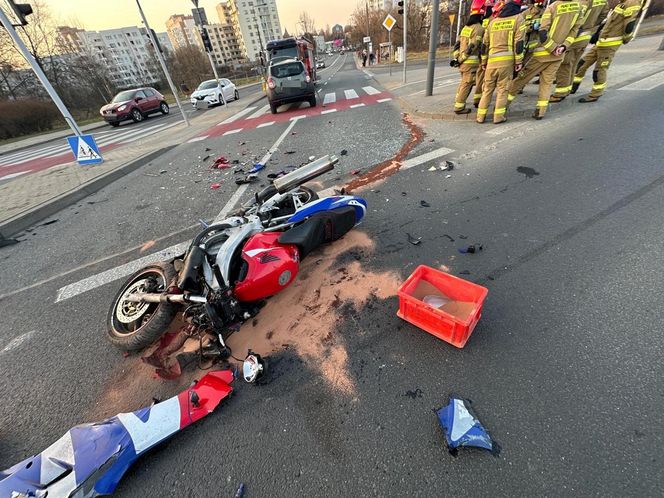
x: 182, y: 31
x: 381, y: 4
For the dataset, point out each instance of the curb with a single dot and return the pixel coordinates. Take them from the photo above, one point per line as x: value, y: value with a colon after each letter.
x: 52, y: 206
x: 65, y: 134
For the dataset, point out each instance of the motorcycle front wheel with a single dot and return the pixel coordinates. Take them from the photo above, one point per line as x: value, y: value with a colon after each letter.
x: 134, y: 326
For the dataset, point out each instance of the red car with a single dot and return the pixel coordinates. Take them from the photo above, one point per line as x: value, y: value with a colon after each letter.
x: 134, y: 104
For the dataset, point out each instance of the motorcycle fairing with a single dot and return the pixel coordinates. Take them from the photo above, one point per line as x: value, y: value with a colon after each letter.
x: 329, y: 204
x: 90, y: 459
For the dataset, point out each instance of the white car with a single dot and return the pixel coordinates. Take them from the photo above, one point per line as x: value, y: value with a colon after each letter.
x: 210, y: 92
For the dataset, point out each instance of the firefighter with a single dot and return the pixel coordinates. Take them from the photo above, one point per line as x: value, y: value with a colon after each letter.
x: 502, y: 55
x: 467, y: 59
x: 485, y: 8
x: 618, y: 30
x: 560, y: 23
x: 596, y: 12
x: 532, y: 16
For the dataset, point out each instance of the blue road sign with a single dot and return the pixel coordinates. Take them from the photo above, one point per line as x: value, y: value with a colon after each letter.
x: 85, y: 149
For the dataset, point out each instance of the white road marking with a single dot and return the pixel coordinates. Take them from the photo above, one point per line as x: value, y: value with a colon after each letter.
x: 370, y: 90
x: 380, y: 101
x: 499, y: 130
x: 421, y: 159
x: 260, y: 112
x: 17, y: 341
x: 138, y: 136
x: 438, y: 85
x: 330, y: 98
x: 14, y: 175
x: 354, y: 106
x: 328, y: 111
x: 232, y: 132
x: 237, y: 115
x: 351, y: 94
x: 29, y: 154
x: 646, y: 84
x: 197, y: 139
x: 263, y: 125
x: 295, y: 118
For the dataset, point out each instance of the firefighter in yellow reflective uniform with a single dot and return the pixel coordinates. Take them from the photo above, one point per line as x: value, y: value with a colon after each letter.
x: 560, y: 23
x: 532, y: 16
x: 596, y: 12
x: 479, y: 77
x: 618, y: 30
x: 502, y: 54
x: 467, y: 58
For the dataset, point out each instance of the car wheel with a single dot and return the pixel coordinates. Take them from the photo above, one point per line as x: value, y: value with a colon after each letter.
x: 237, y: 95
x: 164, y: 108
x: 137, y: 116
x: 220, y: 99
x: 114, y: 125
x: 273, y: 108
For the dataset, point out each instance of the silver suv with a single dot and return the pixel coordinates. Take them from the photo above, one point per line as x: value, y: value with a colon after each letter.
x: 288, y: 82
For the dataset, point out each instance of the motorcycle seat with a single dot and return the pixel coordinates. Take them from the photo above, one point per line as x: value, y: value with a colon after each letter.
x: 320, y: 229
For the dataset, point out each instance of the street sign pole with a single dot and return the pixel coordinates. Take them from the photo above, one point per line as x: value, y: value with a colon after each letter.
x: 160, y: 58
x: 405, y: 38
x: 389, y: 50
x: 433, y: 44
x: 461, y: 4
x: 4, y: 21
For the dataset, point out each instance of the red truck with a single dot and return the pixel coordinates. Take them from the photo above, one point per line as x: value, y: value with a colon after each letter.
x: 299, y: 48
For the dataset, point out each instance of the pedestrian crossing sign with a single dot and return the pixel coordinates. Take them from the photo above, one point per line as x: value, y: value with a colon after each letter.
x: 85, y: 149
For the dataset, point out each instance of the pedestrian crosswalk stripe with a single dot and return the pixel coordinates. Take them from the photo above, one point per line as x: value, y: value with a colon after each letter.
x: 328, y: 111
x: 237, y: 115
x: 260, y: 112
x: 351, y: 94
x: 263, y: 125
x: 197, y: 139
x: 330, y: 98
x: 357, y: 105
x: 370, y: 90
x: 380, y: 101
x: 14, y: 175
x: 145, y: 133
x: 232, y: 132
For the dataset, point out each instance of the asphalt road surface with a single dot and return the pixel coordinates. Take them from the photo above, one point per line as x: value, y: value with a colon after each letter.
x: 564, y: 368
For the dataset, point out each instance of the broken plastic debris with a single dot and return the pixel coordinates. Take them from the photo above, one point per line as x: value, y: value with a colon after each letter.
x: 215, y: 186
x: 355, y: 172
x: 90, y: 459
x: 471, y: 249
x: 220, y: 163
x: 447, y: 166
x: 413, y: 240
x: 240, y: 491
x: 257, y: 167
x: 311, y: 158
x: 463, y: 429
x: 448, y: 176
x: 246, y: 179
x: 425, y: 204
x: 433, y: 168
x: 343, y: 152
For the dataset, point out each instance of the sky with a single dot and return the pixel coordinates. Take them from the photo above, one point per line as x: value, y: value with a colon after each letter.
x: 105, y: 14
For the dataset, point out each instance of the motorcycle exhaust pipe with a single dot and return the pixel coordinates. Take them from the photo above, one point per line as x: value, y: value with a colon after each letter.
x: 302, y: 175
x: 164, y: 298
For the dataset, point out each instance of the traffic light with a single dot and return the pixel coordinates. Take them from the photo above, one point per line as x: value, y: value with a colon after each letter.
x: 206, y: 40
x: 400, y: 4
x: 22, y: 10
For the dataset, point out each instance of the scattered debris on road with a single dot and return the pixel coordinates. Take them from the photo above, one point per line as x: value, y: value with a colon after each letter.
x: 424, y: 204
x: 247, y: 179
x: 257, y: 167
x: 215, y: 186
x: 416, y: 241
x: 471, y: 249
x: 343, y: 152
x: 529, y: 172
x: 463, y: 429
x: 240, y: 491
x: 220, y: 163
x: 50, y: 222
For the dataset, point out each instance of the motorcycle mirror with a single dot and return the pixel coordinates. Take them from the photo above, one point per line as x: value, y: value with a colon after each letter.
x: 253, y: 368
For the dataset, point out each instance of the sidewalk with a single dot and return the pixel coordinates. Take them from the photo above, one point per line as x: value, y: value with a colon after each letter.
x: 634, y: 61
x: 30, y: 198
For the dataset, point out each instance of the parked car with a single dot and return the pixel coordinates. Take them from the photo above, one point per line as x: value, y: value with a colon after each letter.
x: 134, y: 104
x: 289, y: 81
x: 320, y: 64
x: 211, y: 92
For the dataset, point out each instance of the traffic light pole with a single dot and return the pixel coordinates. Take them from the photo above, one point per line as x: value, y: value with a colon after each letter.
x: 160, y: 58
x: 4, y: 21
x: 405, y: 38
x: 433, y: 44
x: 216, y: 76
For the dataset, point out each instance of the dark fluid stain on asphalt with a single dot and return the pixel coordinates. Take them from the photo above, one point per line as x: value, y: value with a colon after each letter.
x: 529, y: 172
x: 390, y: 166
x: 417, y: 393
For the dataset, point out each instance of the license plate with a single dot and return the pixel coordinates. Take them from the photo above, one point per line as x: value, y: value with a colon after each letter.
x: 291, y: 84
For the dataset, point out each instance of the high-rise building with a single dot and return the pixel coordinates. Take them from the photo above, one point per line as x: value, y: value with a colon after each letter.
x: 255, y: 23
x: 226, y: 49
x: 127, y: 52
x: 380, y: 4
x: 165, y: 42
x: 182, y: 31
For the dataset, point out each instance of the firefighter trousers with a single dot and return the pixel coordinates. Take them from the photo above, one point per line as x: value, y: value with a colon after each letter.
x: 479, y: 84
x: 547, y: 74
x: 601, y: 57
x: 467, y: 82
x: 567, y: 69
x: 498, y: 79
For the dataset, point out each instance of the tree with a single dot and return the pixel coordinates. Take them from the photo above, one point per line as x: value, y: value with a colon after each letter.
x: 306, y: 23
x: 189, y: 66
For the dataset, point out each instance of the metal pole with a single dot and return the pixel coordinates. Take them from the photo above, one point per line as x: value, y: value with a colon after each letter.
x: 160, y: 58
x: 433, y: 44
x: 216, y: 76
x: 4, y: 21
x: 644, y: 11
x: 405, y: 38
x: 389, y: 51
x: 461, y: 4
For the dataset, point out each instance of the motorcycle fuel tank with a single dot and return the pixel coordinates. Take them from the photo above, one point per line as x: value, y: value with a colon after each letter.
x: 270, y: 267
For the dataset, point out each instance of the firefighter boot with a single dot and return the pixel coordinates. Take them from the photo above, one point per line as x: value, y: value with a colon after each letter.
x: 539, y: 113
x: 575, y: 86
x: 465, y: 110
x: 555, y: 98
x: 587, y: 100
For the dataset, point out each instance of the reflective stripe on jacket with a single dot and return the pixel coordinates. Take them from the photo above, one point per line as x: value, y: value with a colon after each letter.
x: 501, y: 38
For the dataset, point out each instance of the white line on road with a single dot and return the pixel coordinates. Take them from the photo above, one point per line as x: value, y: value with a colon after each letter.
x: 138, y: 136
x: 14, y: 175
x: 237, y: 115
x: 370, y: 90
x: 263, y: 125
x: 499, y: 130
x: 197, y: 139
x: 17, y: 341
x: 355, y: 106
x: 260, y: 112
x: 646, y: 84
x: 295, y: 118
x: 232, y: 132
x: 380, y: 101
x: 434, y: 154
x: 328, y: 111
x: 351, y: 94
x: 330, y: 98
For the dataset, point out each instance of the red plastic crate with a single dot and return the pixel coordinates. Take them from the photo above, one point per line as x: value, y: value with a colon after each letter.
x: 450, y: 328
